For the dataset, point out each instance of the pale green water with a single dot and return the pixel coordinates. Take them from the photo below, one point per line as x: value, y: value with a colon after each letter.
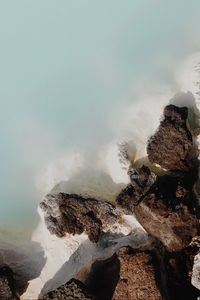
x: 65, y: 66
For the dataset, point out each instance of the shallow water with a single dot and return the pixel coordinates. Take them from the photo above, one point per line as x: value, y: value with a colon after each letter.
x: 69, y: 73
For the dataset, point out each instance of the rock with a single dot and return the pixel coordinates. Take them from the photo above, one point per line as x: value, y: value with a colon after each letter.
x: 7, y: 284
x: 151, y: 273
x: 141, y: 181
x: 178, y: 274
x: 168, y: 209
x: 72, y: 290
x: 169, y: 212
x: 171, y: 146
x: 128, y: 274
x: 103, y: 277
x: 127, y: 198
x: 74, y: 214
x: 138, y: 276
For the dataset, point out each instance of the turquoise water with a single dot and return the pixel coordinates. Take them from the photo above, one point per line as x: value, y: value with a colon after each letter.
x: 65, y: 68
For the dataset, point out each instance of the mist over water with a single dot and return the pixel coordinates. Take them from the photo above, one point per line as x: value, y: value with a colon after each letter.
x: 77, y: 77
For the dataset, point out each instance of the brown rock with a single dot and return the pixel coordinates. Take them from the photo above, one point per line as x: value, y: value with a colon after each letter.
x: 168, y: 214
x: 127, y: 275
x: 141, y: 181
x: 144, y: 274
x: 172, y: 144
x: 72, y: 290
x: 167, y: 210
x: 138, y: 278
x: 74, y: 214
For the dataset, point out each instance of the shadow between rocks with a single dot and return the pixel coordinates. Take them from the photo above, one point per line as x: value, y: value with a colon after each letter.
x: 83, y: 258
x: 103, y: 278
x: 25, y: 261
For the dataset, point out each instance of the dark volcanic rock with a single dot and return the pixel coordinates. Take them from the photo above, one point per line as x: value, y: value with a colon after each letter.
x: 166, y: 206
x: 179, y: 271
x: 127, y: 198
x: 7, y: 284
x: 172, y: 144
x: 144, y: 274
x: 72, y: 290
x: 167, y: 210
x: 103, y: 278
x: 141, y: 181
x: 138, y: 278
x: 127, y: 275
x: 71, y: 213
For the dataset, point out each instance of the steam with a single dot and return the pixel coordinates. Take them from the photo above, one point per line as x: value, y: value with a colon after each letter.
x: 131, y: 126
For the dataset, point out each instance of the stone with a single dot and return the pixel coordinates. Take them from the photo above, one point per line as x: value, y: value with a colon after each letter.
x: 172, y: 144
x: 7, y: 284
x: 72, y: 290
x: 74, y: 214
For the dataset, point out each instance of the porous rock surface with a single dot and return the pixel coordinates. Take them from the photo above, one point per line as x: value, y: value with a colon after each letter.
x: 170, y: 147
x: 167, y: 211
x: 166, y: 205
x: 72, y: 290
x: 141, y: 181
x: 74, y: 214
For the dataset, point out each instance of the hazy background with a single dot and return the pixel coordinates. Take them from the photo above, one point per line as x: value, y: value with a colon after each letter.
x: 66, y: 69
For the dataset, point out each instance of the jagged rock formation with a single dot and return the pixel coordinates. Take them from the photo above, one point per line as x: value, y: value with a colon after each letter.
x: 72, y: 290
x: 7, y: 284
x: 171, y: 145
x: 166, y: 206
x: 144, y: 274
x: 66, y: 213
x: 167, y: 211
x: 141, y: 181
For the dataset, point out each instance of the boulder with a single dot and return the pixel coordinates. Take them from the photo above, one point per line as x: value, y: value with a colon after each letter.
x: 75, y: 214
x: 72, y: 290
x: 172, y: 144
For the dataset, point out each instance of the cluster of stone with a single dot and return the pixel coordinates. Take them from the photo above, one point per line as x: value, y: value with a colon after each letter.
x: 165, y: 205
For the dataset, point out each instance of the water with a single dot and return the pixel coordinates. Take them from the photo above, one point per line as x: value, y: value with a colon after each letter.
x: 69, y: 72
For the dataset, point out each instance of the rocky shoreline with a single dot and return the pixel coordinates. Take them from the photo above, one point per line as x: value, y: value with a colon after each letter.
x: 165, y: 203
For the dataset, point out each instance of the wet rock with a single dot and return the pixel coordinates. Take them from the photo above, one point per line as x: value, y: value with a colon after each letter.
x: 74, y: 214
x: 171, y: 146
x: 72, y: 290
x: 7, y: 284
